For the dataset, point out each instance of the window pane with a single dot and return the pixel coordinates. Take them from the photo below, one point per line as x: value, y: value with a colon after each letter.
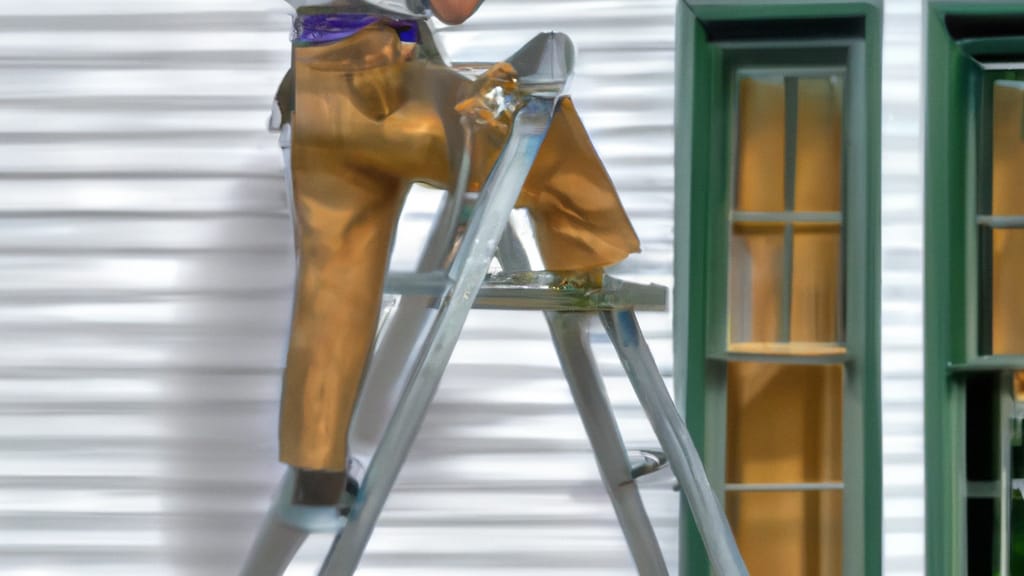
x: 756, y: 261
x: 982, y: 536
x: 1017, y: 482
x: 781, y: 297
x: 784, y: 423
x: 1007, y: 149
x: 761, y: 145
x: 992, y: 449
x: 819, y: 145
x: 1007, y: 290
x: 1016, y: 533
x: 792, y: 533
x: 981, y: 428
x: 816, y: 302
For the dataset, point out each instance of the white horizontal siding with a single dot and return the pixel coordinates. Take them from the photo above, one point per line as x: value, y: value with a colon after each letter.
x: 144, y: 279
x: 145, y: 274
x: 902, y: 288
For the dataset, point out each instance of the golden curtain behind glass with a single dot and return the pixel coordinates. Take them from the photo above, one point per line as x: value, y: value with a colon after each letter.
x: 759, y: 281
x: 785, y: 426
x: 1007, y: 200
x: 784, y: 421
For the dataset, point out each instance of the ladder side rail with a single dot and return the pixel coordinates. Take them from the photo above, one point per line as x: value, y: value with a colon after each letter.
x: 624, y: 332
x: 401, y: 335
x: 569, y: 331
x: 571, y: 337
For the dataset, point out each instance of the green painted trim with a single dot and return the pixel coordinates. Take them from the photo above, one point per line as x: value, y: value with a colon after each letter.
x: 692, y: 171
x: 943, y: 8
x: 863, y: 432
x: 686, y: 32
x: 871, y: 284
x: 990, y: 46
x: 700, y: 257
x: 940, y: 453
x: 795, y: 10
x: 688, y: 169
x: 989, y: 364
x: 955, y: 114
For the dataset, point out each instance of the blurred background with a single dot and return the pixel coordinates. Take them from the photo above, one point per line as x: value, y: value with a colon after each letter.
x: 145, y: 277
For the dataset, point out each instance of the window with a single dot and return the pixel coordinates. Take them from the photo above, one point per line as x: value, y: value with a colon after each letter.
x: 785, y: 261
x: 1000, y: 222
x: 779, y: 331
x: 974, y: 301
x: 784, y: 475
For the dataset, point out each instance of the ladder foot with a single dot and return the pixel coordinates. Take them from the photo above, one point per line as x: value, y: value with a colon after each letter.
x: 315, y: 501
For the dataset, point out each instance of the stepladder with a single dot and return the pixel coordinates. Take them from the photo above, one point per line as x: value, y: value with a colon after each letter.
x: 457, y: 274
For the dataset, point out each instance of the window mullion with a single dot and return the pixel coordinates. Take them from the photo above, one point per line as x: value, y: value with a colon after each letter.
x: 823, y: 218
x: 1000, y: 221
x: 784, y: 487
x: 785, y: 315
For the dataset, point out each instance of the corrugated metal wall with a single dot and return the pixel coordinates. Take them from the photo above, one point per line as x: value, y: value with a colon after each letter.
x: 145, y: 272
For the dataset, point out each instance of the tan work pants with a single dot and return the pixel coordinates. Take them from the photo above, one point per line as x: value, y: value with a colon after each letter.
x: 369, y: 120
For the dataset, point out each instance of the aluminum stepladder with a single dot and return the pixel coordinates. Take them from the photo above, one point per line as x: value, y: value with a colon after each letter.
x: 440, y: 300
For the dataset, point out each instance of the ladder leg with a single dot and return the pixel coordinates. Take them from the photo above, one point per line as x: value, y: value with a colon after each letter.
x: 382, y: 385
x: 668, y: 424
x: 277, y: 541
x: 402, y: 335
x: 274, y: 548
x: 571, y: 336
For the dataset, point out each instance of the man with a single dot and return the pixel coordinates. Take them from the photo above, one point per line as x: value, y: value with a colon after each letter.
x: 373, y: 110
x: 369, y: 108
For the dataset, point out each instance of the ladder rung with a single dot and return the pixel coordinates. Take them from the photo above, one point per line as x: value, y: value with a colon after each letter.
x: 538, y: 291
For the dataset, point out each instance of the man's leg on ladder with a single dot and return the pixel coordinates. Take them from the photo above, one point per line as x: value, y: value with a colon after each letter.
x: 345, y: 219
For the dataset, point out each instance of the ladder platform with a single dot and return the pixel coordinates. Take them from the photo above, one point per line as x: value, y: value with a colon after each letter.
x: 542, y: 290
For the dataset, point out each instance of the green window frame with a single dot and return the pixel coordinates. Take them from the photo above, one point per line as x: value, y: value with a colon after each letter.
x: 718, y: 42
x: 972, y: 420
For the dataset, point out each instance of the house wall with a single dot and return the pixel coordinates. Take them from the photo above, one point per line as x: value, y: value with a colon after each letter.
x: 145, y: 266
x: 902, y: 287
x: 145, y: 272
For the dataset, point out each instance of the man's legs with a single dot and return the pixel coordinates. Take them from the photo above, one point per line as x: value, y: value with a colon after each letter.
x: 346, y: 220
x: 579, y: 220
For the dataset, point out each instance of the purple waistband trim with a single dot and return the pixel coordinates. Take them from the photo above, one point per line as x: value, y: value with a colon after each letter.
x: 322, y: 28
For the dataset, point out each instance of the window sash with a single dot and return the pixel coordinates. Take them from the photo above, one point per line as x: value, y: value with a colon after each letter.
x: 788, y: 217
x: 706, y: 171
x: 988, y: 335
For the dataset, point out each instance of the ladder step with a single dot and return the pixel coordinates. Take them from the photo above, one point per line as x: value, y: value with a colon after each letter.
x: 539, y: 291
